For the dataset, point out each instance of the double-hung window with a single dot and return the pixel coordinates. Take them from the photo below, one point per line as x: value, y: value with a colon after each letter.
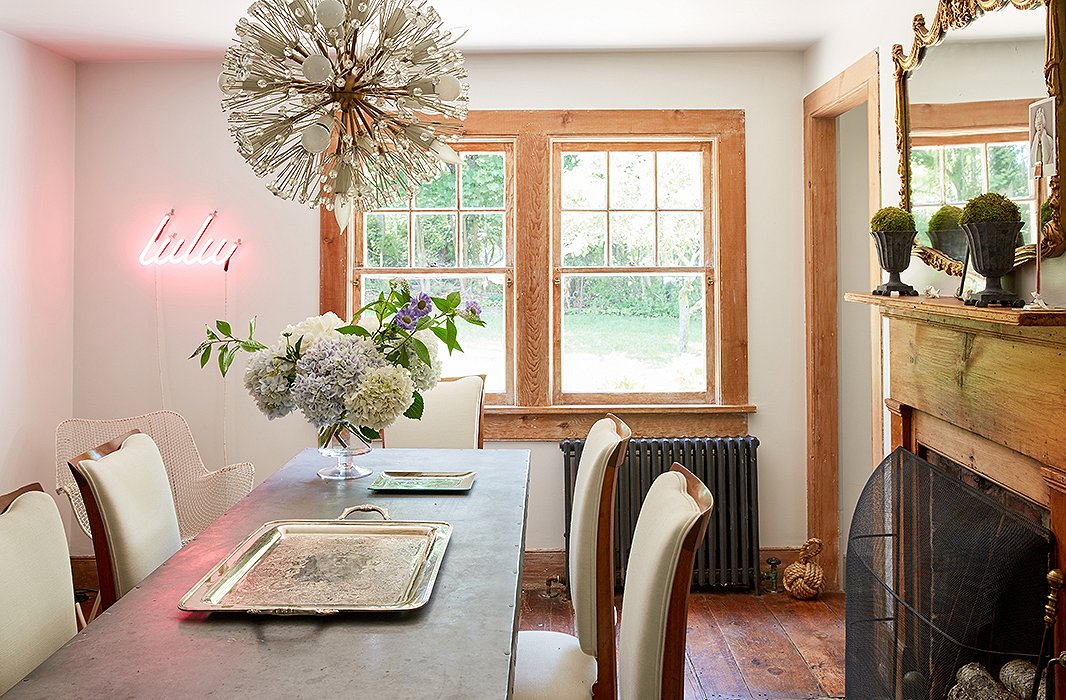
x: 633, y: 229
x: 607, y: 251
x: 455, y: 233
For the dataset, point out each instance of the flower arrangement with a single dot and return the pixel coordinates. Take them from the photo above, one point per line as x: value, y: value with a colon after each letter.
x: 347, y: 378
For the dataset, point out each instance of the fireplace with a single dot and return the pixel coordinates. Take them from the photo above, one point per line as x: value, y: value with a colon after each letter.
x: 985, y: 389
x: 940, y: 574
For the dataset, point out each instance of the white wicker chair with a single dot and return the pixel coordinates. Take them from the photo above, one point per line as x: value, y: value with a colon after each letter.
x: 200, y: 496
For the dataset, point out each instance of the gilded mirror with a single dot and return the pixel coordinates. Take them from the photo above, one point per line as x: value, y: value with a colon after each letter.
x: 962, y: 119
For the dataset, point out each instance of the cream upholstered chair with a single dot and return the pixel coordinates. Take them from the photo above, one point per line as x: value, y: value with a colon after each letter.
x: 200, y: 496
x: 126, y: 493
x: 559, y: 666
x: 36, y: 591
x: 670, y: 528
x: 451, y: 419
x: 672, y: 523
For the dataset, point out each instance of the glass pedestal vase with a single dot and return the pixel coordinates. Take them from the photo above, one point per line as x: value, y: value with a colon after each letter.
x: 346, y: 445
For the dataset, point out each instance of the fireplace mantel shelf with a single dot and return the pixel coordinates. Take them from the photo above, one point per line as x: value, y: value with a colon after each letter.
x: 952, y: 308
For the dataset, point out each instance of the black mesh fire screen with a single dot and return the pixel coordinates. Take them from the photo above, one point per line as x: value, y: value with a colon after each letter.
x: 938, y: 575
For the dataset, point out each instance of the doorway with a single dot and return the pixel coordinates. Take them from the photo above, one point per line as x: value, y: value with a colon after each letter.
x: 838, y: 258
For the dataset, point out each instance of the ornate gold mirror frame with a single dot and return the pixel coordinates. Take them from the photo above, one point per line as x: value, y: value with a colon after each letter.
x: 957, y: 14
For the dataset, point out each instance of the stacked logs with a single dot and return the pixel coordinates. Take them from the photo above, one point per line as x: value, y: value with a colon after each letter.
x: 974, y: 682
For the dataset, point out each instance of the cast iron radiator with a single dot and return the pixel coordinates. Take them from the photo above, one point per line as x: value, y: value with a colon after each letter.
x: 730, y: 554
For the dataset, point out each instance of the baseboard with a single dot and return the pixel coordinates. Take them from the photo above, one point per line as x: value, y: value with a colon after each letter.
x: 543, y: 564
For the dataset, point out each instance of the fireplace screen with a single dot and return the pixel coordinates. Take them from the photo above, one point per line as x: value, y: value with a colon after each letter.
x: 939, y: 576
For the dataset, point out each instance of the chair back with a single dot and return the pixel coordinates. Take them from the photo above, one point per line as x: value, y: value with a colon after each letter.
x: 452, y: 417
x: 591, y: 564
x: 185, y: 469
x: 672, y: 523
x: 131, y: 511
x: 36, y: 591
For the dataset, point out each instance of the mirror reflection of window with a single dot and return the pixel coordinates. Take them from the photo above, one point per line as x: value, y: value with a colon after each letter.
x: 954, y: 174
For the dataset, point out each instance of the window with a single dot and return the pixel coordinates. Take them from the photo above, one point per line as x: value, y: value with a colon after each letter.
x: 455, y: 233
x: 631, y: 232
x: 607, y: 249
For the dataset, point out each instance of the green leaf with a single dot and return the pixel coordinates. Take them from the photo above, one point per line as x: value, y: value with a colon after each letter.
x: 228, y: 354
x: 299, y: 342
x: 421, y: 350
x: 442, y: 305
x: 205, y: 356
x: 224, y: 328
x: 369, y: 433
x: 454, y: 299
x: 222, y: 366
x: 452, y: 331
x: 251, y: 328
x: 250, y: 346
x: 354, y: 329
x: 418, y: 405
x: 440, y: 333
x: 211, y: 334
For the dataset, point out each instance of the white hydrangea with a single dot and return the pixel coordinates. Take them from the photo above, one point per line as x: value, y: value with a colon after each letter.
x: 425, y: 376
x: 267, y: 379
x: 381, y: 397
x: 313, y: 329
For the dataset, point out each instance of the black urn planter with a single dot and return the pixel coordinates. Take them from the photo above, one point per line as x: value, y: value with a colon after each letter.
x: 992, y: 245
x: 894, y: 252
x: 950, y: 242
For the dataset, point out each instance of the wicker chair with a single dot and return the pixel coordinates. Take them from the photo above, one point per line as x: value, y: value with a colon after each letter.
x: 200, y: 496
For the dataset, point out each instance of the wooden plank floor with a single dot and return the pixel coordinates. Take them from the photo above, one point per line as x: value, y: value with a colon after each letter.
x: 742, y: 647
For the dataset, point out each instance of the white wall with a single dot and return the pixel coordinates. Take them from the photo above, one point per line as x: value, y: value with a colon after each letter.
x: 152, y: 137
x: 853, y: 349
x: 36, y: 226
x: 975, y: 71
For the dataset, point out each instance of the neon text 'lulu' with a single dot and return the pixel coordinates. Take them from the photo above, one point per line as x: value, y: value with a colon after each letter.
x: 163, y: 248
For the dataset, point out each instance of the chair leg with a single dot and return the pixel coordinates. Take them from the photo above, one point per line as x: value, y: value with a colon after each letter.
x: 96, y: 608
x: 82, y: 624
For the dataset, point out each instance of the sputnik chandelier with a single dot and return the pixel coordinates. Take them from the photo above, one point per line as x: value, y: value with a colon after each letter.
x: 344, y: 103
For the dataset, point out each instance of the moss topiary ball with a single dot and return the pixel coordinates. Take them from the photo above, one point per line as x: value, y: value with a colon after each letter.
x: 946, y: 218
x: 1045, y: 212
x: 989, y: 207
x: 892, y: 219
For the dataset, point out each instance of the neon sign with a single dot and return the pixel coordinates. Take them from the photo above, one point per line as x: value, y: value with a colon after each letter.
x: 163, y: 248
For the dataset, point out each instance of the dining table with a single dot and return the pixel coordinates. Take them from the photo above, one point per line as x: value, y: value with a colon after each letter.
x: 460, y: 644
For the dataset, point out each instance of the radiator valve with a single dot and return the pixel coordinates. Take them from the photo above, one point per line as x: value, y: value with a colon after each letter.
x: 771, y: 575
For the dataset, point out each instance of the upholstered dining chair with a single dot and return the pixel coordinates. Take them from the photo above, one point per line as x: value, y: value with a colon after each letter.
x: 131, y: 511
x: 583, y: 666
x: 36, y: 591
x: 452, y: 418
x: 651, y: 656
x: 200, y: 496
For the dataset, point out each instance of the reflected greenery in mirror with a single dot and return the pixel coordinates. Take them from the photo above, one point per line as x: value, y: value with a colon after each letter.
x: 962, y: 119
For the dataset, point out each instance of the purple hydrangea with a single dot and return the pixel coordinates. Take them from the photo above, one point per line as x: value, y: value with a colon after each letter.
x: 328, y: 372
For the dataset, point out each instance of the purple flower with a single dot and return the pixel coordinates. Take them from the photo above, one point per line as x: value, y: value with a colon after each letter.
x: 405, y: 319
x: 471, y: 310
x: 421, y: 305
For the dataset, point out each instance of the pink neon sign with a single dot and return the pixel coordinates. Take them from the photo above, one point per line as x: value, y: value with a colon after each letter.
x: 162, y: 248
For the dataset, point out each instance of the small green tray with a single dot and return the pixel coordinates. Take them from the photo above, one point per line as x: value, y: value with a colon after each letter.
x: 423, y: 481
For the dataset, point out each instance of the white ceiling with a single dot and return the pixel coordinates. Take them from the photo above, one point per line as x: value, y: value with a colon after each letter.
x: 134, y: 29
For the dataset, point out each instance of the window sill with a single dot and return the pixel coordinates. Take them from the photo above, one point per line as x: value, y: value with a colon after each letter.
x: 551, y: 423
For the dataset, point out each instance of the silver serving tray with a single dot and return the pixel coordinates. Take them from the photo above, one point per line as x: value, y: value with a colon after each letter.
x: 423, y: 481
x: 324, y: 567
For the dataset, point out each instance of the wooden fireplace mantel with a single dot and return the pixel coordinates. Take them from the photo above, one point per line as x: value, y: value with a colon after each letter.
x: 985, y: 388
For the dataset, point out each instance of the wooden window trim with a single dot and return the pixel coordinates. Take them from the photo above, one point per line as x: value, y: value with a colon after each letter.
x: 532, y: 416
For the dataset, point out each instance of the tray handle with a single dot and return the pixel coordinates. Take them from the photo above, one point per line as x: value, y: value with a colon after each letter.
x: 365, y: 507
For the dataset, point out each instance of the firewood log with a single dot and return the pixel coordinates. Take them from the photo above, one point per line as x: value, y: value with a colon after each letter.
x: 973, y: 682
x: 1017, y: 677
